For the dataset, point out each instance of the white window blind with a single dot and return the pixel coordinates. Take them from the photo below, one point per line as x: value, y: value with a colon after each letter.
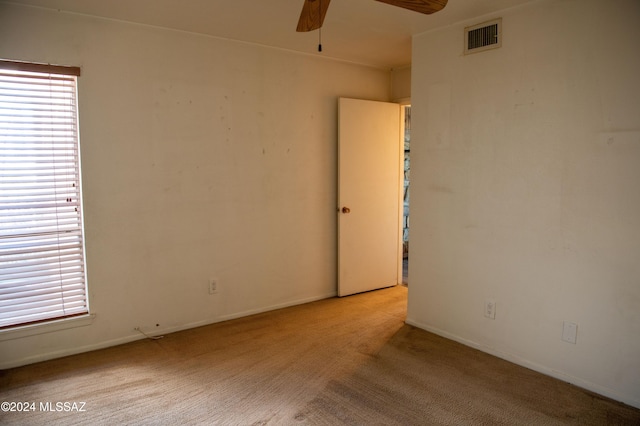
x: 42, y: 272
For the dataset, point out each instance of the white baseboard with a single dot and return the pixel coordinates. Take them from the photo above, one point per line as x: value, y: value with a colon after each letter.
x: 160, y: 331
x: 277, y: 306
x: 593, y: 387
x: 66, y: 352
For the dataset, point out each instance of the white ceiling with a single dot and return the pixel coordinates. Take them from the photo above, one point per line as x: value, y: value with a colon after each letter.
x: 360, y: 31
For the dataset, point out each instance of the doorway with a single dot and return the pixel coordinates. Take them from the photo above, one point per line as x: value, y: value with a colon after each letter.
x: 405, y: 197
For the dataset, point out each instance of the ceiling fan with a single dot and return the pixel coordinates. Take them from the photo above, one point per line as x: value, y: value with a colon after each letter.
x: 313, y: 11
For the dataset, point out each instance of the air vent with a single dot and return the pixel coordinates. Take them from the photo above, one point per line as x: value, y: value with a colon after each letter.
x: 485, y: 36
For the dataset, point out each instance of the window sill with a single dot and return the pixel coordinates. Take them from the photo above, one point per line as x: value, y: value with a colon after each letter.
x: 47, y: 327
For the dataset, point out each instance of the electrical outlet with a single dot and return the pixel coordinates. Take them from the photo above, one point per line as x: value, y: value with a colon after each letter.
x: 213, y: 286
x: 490, y: 308
x: 569, y: 332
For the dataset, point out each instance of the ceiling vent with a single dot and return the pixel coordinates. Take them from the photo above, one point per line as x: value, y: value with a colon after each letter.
x: 485, y: 36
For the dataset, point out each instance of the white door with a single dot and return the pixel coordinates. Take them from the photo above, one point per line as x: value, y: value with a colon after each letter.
x: 369, y: 203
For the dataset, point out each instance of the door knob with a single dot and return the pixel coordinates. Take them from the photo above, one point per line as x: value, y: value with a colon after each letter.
x: 346, y: 210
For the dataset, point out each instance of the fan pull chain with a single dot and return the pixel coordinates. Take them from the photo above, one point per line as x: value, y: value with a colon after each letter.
x: 320, y: 28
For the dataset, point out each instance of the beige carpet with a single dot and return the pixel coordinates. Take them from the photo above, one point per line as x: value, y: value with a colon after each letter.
x: 337, y: 361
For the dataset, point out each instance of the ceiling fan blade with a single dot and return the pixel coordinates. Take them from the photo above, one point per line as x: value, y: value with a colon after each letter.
x: 312, y: 15
x: 423, y: 6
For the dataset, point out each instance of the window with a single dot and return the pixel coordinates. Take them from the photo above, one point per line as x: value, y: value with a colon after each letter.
x: 42, y: 270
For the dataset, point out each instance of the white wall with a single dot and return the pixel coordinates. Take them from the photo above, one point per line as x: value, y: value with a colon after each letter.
x: 201, y: 158
x: 401, y: 85
x: 526, y: 190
